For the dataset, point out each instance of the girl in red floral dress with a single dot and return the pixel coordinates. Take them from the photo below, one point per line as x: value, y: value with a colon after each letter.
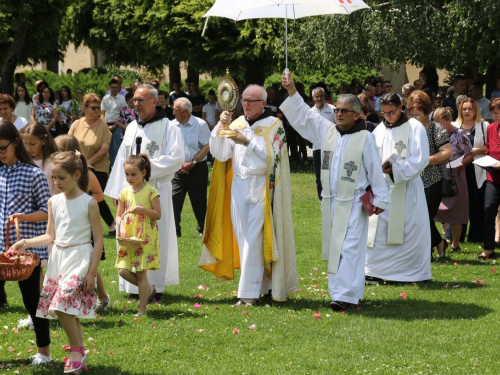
x: 140, y: 203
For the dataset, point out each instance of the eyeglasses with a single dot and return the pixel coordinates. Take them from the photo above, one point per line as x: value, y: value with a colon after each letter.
x: 252, y: 100
x: 3, y: 149
x: 391, y: 113
x: 140, y: 100
x: 342, y: 111
x: 94, y: 108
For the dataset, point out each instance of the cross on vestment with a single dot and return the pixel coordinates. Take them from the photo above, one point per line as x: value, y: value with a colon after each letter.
x: 152, y: 147
x: 350, y: 167
x: 400, y: 146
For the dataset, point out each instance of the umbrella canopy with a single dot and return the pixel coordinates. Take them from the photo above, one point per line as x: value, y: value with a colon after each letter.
x: 293, y: 9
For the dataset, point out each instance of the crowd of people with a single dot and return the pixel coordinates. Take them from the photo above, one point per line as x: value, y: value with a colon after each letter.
x: 383, y: 163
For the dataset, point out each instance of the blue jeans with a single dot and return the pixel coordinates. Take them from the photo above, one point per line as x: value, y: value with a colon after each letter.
x: 116, y: 141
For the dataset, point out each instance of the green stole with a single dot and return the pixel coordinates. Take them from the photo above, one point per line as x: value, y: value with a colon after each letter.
x: 332, y: 243
x: 395, y: 230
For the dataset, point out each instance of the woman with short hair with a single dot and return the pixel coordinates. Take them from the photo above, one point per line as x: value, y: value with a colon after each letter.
x: 7, y: 107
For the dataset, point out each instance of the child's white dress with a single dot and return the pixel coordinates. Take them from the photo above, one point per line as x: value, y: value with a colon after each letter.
x: 69, y: 262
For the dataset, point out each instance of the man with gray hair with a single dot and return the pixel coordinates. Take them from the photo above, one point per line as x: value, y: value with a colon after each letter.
x: 249, y: 219
x: 192, y: 177
x: 350, y: 165
x: 162, y: 141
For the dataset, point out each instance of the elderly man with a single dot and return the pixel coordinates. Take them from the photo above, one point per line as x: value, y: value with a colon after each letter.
x: 326, y: 111
x: 249, y: 205
x: 192, y: 177
x: 399, y: 240
x: 350, y: 163
x: 162, y: 141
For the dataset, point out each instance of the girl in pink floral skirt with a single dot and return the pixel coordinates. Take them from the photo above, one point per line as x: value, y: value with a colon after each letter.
x: 69, y: 287
x: 142, y: 202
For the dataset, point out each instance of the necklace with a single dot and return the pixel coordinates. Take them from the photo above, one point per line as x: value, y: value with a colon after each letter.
x: 466, y: 131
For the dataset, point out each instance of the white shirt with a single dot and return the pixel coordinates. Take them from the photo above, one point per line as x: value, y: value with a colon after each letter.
x: 112, y: 106
x: 195, y: 134
x: 327, y: 113
x: 19, y: 123
x: 209, y: 109
x: 23, y: 110
x: 484, y: 108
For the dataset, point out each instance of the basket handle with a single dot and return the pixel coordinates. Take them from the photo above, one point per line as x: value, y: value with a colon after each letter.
x: 142, y: 222
x: 16, y: 222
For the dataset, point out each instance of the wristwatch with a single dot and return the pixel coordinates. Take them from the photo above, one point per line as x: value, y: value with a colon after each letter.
x: 193, y: 161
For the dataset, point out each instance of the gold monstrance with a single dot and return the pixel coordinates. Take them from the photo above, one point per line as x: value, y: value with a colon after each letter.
x: 227, y: 96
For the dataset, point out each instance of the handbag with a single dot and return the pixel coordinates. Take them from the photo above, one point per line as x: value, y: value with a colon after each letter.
x: 449, y: 188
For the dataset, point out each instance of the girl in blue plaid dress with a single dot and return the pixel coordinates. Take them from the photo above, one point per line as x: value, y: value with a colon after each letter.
x: 24, y: 194
x: 69, y: 287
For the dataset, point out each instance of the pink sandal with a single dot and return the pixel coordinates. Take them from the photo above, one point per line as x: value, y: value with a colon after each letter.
x: 75, y: 366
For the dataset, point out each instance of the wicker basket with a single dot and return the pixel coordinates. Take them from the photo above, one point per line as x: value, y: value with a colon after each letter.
x: 131, y: 243
x: 20, y: 267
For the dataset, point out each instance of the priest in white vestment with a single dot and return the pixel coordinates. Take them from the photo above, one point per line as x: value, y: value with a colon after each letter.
x: 350, y: 163
x: 399, y: 242
x: 249, y: 220
x: 163, y: 142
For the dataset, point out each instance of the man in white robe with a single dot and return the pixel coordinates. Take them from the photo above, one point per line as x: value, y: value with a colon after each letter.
x: 166, y: 156
x: 345, y: 283
x: 249, y: 222
x: 406, y: 259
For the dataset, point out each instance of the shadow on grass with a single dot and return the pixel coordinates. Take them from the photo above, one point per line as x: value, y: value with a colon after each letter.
x: 56, y: 367
x: 409, y: 310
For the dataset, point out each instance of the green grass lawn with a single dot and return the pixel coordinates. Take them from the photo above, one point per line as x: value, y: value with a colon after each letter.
x: 446, y: 325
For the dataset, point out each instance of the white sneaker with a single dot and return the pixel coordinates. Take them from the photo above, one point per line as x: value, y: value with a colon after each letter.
x: 101, y: 305
x: 39, y: 359
x: 26, y: 323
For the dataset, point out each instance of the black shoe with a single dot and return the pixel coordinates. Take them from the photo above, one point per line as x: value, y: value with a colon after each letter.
x: 338, y: 306
x: 178, y: 234
x: 112, y: 233
x: 370, y: 280
x: 493, y: 255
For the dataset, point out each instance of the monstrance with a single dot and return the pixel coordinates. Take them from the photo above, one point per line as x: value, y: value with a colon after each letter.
x: 227, y: 96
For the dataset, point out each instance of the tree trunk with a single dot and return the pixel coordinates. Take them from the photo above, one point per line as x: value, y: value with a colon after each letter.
x: 16, y: 48
x: 53, y: 62
x: 193, y: 75
x: 174, y: 74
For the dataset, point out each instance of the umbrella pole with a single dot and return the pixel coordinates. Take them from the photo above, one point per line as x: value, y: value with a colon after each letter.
x: 286, y: 36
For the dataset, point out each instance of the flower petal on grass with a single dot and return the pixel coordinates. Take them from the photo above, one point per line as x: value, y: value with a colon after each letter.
x: 153, y: 326
x: 111, y: 353
x: 493, y: 270
x: 480, y: 282
x: 66, y: 347
x: 315, y: 269
x: 402, y: 295
x: 456, y: 264
x: 200, y: 330
x: 456, y: 286
x: 253, y: 326
x: 236, y: 330
x: 317, y: 316
x: 196, y: 305
x: 244, y: 312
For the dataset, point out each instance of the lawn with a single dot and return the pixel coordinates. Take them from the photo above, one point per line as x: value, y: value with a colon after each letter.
x: 446, y: 325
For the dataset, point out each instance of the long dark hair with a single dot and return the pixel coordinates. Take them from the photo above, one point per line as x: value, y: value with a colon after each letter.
x: 40, y: 131
x: 68, y: 90
x: 52, y: 96
x: 9, y: 132
x: 142, y: 162
x: 27, y: 97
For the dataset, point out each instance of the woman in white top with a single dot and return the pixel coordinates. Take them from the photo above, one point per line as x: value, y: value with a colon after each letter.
x: 24, y: 104
x: 65, y: 111
x: 7, y: 106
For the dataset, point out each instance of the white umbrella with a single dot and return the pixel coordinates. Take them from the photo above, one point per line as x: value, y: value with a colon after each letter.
x: 294, y: 9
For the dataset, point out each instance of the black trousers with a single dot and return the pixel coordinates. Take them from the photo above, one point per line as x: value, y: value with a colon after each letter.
x: 106, y: 214
x: 195, y: 184
x: 491, y: 203
x: 433, y: 197
x: 317, y: 171
x: 30, y: 291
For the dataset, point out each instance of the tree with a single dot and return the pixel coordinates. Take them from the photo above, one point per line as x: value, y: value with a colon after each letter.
x: 156, y: 33
x: 450, y: 34
x: 26, y: 39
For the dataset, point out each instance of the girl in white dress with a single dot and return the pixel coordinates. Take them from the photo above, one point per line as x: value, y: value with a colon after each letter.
x: 69, y: 286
